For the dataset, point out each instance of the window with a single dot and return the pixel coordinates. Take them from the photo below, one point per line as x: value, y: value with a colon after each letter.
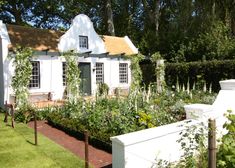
x: 99, y: 73
x: 35, y: 77
x: 123, y: 73
x: 83, y: 42
x: 64, y: 73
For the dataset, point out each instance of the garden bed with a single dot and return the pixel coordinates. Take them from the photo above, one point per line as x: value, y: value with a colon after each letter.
x: 80, y: 135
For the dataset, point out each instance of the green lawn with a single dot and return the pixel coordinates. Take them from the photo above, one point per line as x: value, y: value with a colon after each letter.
x: 17, y: 150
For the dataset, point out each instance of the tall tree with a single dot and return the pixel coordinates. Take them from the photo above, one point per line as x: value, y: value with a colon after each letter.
x: 152, y: 9
x: 109, y: 16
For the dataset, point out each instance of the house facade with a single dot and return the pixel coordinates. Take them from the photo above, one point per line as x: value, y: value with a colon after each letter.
x: 100, y: 59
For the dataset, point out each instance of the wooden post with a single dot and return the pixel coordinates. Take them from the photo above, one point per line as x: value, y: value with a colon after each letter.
x: 35, y: 129
x: 86, y: 150
x: 6, y: 113
x: 211, y: 144
x: 12, y: 116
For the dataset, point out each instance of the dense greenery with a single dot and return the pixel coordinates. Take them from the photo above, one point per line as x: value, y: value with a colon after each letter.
x: 184, y: 30
x: 72, y: 76
x: 22, y: 75
x: 195, y: 148
x: 17, y: 150
x: 196, y: 73
x: 109, y: 117
x: 226, y: 152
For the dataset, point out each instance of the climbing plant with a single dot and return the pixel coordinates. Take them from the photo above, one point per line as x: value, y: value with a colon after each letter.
x: 22, y: 75
x: 135, y: 88
x: 226, y: 152
x: 136, y: 72
x: 72, y: 76
x: 159, y: 71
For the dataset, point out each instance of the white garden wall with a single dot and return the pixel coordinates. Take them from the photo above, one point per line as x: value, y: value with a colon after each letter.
x: 143, y: 149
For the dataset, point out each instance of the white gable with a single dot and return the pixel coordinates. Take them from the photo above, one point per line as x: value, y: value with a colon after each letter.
x: 81, y: 26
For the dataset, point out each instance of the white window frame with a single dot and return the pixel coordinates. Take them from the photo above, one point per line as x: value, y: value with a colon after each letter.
x: 99, y: 72
x: 123, y: 73
x: 83, y: 42
x: 35, y: 76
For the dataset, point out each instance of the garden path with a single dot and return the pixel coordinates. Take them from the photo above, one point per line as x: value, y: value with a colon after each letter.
x: 97, y: 157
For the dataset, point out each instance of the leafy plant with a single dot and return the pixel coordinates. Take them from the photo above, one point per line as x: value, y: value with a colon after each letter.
x: 194, y: 144
x: 226, y: 153
x: 21, y: 78
x: 103, y: 89
x: 72, y: 76
x: 159, y: 71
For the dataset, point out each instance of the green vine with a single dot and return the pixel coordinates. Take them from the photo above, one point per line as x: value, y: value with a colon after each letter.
x: 72, y: 76
x: 136, y: 72
x: 21, y: 78
x: 159, y: 71
x: 136, y: 75
x: 226, y: 153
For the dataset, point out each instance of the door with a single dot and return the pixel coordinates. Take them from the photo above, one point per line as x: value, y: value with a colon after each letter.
x: 85, y: 76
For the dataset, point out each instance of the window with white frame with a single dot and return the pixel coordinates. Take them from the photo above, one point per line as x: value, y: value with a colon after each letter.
x: 35, y: 77
x: 64, y: 73
x: 99, y: 73
x: 123, y: 73
x: 83, y: 42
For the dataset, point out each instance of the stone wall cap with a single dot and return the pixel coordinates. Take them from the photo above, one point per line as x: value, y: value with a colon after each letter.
x: 227, y: 84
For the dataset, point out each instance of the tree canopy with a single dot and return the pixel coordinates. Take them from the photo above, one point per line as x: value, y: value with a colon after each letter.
x: 181, y: 30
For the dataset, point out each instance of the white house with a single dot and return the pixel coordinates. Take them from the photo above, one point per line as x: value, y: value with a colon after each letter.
x: 100, y: 58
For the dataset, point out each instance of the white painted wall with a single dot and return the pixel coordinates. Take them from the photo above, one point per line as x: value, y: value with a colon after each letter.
x: 141, y: 149
x: 51, y: 75
x: 51, y: 66
x: 6, y: 63
x: 81, y: 25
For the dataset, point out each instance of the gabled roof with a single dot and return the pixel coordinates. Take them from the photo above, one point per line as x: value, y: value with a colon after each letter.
x: 37, y: 39
x: 43, y: 39
x: 116, y: 45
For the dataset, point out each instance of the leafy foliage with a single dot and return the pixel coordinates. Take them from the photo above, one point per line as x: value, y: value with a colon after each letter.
x: 103, y: 89
x: 196, y: 73
x: 210, y: 72
x: 108, y: 117
x: 72, y: 76
x: 181, y: 30
x: 226, y: 153
x: 21, y: 78
x: 194, y: 144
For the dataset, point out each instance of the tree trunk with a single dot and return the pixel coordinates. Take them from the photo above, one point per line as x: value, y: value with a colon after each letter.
x: 233, y: 26
x: 157, y: 16
x: 153, y: 13
x: 213, y: 9
x: 109, y: 12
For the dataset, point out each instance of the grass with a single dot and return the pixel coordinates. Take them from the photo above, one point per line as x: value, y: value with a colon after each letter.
x: 17, y: 150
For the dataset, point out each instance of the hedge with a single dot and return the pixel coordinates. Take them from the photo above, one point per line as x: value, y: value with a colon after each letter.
x: 75, y: 129
x: 194, y: 72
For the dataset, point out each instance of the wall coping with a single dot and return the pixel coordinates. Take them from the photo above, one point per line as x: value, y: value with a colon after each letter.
x: 152, y: 133
x: 227, y: 84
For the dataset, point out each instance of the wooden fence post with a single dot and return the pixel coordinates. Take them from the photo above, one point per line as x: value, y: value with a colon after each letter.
x: 12, y: 116
x: 211, y: 143
x: 86, y: 150
x: 35, y: 128
x: 6, y: 113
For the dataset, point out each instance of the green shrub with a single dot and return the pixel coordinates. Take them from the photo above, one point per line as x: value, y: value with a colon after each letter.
x: 226, y: 152
x: 197, y: 73
x: 105, y: 118
x: 103, y: 89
